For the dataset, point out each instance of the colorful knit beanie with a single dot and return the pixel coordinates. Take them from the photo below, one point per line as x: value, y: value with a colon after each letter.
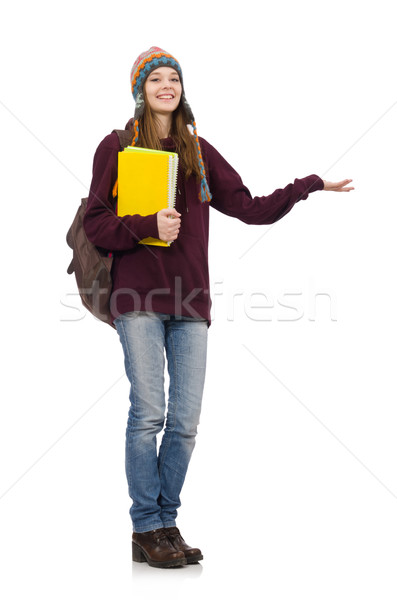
x: 146, y: 63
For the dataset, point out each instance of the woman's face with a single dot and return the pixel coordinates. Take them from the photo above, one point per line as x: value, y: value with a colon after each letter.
x: 163, y: 90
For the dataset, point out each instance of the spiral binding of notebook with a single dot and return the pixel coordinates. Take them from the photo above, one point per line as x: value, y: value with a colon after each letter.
x: 172, y: 179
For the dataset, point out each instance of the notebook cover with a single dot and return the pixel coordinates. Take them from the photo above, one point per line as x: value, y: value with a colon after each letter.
x: 145, y: 184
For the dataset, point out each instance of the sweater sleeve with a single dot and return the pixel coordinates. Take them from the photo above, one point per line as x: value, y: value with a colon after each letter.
x: 101, y: 224
x: 231, y: 197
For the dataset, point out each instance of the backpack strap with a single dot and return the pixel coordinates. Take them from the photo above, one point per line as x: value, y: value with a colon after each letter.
x: 125, y: 139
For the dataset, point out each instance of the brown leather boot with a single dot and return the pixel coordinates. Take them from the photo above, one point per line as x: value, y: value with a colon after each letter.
x: 192, y: 555
x: 155, y: 548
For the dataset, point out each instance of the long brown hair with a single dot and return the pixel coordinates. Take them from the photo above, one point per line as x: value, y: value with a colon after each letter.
x: 184, y: 140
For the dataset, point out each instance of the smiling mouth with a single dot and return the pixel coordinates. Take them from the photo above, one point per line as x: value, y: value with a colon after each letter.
x: 165, y: 97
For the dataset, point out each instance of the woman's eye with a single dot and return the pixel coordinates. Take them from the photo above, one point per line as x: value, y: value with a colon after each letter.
x: 157, y: 79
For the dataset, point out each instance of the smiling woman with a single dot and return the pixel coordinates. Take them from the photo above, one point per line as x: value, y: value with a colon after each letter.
x: 163, y: 91
x: 161, y: 298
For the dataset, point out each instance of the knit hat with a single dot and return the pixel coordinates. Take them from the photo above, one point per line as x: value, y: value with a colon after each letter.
x: 146, y: 63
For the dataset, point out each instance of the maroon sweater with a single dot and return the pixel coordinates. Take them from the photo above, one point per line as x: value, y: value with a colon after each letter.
x: 175, y: 279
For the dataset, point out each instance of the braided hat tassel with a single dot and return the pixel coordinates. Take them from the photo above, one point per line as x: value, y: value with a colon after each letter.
x: 205, y: 194
x: 136, y: 132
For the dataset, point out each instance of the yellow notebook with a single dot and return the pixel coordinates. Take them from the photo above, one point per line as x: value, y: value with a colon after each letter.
x: 146, y: 183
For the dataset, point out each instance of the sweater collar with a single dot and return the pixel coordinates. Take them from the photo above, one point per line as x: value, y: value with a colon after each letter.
x: 167, y: 143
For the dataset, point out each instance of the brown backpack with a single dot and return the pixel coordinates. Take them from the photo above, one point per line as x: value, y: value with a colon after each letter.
x: 91, y: 265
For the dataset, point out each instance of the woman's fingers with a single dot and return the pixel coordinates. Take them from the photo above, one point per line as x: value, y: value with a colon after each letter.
x: 168, y: 224
x: 339, y: 186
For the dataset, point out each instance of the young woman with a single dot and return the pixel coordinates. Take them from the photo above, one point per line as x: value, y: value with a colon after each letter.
x: 160, y: 300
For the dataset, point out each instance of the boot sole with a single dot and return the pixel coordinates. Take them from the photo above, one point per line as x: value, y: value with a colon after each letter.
x: 139, y: 555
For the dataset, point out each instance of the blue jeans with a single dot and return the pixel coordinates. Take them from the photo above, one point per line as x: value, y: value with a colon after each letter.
x: 155, y: 479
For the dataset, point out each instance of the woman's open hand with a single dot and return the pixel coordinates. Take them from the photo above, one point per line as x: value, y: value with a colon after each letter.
x: 168, y: 224
x: 340, y: 186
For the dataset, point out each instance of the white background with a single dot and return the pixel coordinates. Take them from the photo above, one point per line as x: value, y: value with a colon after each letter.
x: 292, y: 489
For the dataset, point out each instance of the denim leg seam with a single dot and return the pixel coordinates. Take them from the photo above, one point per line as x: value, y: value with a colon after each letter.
x: 165, y: 449
x: 126, y: 347
x: 128, y: 352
